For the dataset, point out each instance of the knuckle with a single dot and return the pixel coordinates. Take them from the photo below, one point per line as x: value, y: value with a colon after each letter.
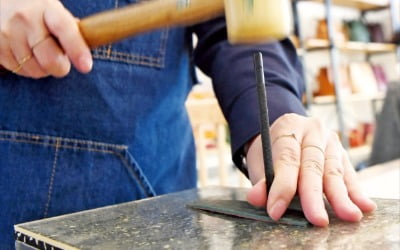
x: 314, y: 166
x: 57, y: 25
x: 334, y: 172
x: 5, y: 33
x: 316, y: 188
x: 289, y: 156
x: 22, y: 15
x: 61, y: 23
x: 317, y: 124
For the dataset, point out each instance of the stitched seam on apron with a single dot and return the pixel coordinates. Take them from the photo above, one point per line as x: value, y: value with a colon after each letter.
x: 53, y: 172
x: 134, y: 58
x: 27, y: 137
x: 134, y: 175
x: 59, y: 146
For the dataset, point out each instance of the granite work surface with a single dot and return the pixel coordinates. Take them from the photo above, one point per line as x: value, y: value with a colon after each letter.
x: 165, y: 222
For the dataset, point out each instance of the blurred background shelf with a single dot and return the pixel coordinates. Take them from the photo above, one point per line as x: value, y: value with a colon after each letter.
x: 325, y: 100
x: 359, y: 4
x: 320, y: 44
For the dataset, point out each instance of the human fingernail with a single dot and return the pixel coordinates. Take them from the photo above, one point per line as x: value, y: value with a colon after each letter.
x: 322, y: 219
x: 371, y: 206
x: 356, y: 212
x: 86, y: 62
x: 63, y: 64
x: 277, y: 209
x: 257, y: 195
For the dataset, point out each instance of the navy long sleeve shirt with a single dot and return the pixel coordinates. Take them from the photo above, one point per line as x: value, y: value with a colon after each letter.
x: 232, y: 73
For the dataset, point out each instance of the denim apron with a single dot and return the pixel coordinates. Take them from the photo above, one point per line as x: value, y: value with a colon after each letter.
x: 117, y: 134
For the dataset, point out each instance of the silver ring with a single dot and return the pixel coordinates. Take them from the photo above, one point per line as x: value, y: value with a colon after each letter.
x: 313, y: 146
x: 292, y: 135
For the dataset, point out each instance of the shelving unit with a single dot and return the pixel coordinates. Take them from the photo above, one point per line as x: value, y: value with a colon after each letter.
x: 329, y: 99
x: 369, y: 48
x: 335, y: 49
x: 363, y: 5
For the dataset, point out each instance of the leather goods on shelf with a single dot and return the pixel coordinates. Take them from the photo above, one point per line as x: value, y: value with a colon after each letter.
x: 326, y: 85
x: 358, y: 31
x: 396, y: 36
x: 322, y: 31
x: 361, y: 135
x: 362, y: 78
x: 356, y: 138
x: 369, y: 130
x: 380, y: 76
x: 376, y: 32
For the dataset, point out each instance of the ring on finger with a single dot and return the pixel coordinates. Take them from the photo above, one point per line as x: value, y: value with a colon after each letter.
x: 39, y: 42
x: 292, y: 135
x: 331, y: 157
x: 21, y: 63
x: 313, y: 146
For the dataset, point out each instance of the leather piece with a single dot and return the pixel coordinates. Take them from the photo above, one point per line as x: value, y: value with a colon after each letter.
x: 242, y: 209
x: 358, y: 31
x: 376, y: 32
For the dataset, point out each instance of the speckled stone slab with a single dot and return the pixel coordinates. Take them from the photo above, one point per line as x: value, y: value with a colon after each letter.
x: 166, y: 222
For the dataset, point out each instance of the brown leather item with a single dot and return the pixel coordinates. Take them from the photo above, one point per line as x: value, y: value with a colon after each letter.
x: 322, y: 31
x: 325, y: 81
x: 326, y: 86
x: 356, y: 137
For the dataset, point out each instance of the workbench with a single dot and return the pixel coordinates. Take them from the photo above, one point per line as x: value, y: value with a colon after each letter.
x: 165, y: 222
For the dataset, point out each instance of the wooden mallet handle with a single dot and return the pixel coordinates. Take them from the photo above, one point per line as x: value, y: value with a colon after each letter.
x: 113, y: 25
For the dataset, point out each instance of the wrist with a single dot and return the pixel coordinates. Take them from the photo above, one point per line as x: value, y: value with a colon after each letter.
x: 247, y: 146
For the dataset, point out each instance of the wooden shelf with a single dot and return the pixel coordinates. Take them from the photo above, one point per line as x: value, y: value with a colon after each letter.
x: 204, y: 110
x: 359, y: 4
x: 320, y: 44
x: 320, y: 100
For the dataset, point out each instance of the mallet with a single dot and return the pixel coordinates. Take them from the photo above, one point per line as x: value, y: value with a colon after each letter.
x: 248, y: 21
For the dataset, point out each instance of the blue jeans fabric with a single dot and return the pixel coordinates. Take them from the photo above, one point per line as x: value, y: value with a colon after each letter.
x: 117, y: 134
